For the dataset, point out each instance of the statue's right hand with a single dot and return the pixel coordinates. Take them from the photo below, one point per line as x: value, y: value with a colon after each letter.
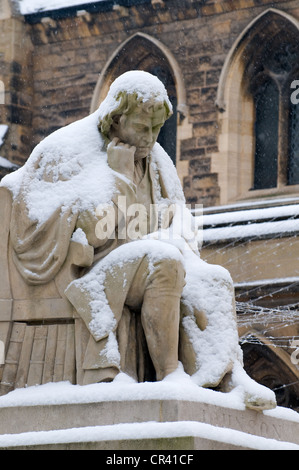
x: 121, y: 158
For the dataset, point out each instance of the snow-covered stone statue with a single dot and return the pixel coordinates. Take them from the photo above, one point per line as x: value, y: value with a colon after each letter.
x: 106, y: 183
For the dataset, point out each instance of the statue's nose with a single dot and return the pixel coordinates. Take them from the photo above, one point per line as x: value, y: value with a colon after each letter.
x: 148, y: 137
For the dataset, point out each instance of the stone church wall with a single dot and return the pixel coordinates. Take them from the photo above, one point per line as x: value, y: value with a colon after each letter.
x: 52, y: 64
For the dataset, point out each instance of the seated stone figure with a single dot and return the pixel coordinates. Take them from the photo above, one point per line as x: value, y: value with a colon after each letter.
x: 148, y: 302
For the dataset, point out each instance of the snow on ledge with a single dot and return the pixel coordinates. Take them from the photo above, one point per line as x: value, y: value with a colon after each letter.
x: 4, y: 163
x: 252, y: 231
x: 121, y: 389
x: 147, y: 430
x: 35, y: 6
x: 267, y: 282
x: 176, y: 386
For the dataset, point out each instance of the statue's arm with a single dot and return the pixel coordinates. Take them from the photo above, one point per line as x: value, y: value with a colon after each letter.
x: 100, y: 224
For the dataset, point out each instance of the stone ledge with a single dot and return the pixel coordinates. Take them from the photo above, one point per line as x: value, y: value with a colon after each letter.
x: 177, y: 443
x: 22, y: 419
x: 175, y: 436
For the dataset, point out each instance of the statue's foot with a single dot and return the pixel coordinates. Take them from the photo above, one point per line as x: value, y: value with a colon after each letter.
x: 258, y: 402
x: 123, y: 378
x: 106, y: 374
x: 178, y: 375
x: 256, y: 396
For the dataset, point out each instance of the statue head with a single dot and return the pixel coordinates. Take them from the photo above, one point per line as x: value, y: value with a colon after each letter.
x: 134, y: 110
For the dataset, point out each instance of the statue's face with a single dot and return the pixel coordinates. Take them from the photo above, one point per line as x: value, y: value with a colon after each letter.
x: 140, y: 128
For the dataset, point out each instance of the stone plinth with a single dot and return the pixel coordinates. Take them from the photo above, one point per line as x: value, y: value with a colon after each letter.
x: 148, y: 423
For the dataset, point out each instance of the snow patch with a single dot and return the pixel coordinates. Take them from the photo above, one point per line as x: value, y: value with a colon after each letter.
x: 69, y: 169
x: 35, y: 6
x: 4, y: 163
x: 79, y: 237
x: 254, y: 230
x: 144, y: 84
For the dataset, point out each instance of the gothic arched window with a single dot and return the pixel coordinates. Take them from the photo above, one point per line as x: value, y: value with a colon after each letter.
x: 266, y: 136
x: 142, y: 53
x: 258, y: 139
x: 167, y: 136
x: 276, y: 126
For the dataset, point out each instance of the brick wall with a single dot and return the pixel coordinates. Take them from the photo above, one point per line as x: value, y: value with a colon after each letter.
x: 16, y: 74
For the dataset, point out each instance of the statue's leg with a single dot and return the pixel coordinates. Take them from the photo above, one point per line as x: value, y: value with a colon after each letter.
x: 149, y: 282
x: 158, y: 291
x: 160, y: 321
x: 212, y: 356
x: 255, y: 396
x: 208, y: 328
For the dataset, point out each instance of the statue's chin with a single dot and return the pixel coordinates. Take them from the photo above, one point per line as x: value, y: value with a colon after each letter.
x: 142, y: 152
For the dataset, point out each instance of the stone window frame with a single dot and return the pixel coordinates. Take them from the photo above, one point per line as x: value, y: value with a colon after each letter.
x: 116, y: 64
x: 278, y: 69
x: 234, y: 161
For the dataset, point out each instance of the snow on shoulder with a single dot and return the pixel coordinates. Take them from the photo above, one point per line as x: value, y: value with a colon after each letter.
x: 68, y: 168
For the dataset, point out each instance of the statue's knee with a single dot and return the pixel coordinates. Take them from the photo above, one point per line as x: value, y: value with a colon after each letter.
x: 170, y: 272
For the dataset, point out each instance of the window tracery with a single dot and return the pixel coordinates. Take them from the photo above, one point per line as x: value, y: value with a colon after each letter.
x: 258, y: 142
x: 276, y: 125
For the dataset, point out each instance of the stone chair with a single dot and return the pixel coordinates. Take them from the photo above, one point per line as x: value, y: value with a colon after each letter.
x: 41, y: 334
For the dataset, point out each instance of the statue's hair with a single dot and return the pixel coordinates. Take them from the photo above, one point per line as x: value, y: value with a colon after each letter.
x: 124, y: 104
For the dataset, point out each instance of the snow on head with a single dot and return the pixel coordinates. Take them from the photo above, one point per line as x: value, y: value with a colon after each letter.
x: 143, y: 83
x: 136, y: 84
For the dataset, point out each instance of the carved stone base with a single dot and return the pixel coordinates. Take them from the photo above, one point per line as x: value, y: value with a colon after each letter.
x: 143, y: 424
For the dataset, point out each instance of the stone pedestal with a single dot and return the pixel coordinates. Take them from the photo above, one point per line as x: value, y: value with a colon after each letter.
x: 144, y: 422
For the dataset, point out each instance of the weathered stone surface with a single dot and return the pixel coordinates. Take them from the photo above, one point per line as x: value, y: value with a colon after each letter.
x: 16, y: 420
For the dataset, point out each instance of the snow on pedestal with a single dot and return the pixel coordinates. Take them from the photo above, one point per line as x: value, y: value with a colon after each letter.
x: 172, y: 408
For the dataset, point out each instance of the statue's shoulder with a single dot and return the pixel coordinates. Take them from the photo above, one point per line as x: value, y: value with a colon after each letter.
x: 68, y: 165
x: 78, y: 137
x: 166, y: 170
